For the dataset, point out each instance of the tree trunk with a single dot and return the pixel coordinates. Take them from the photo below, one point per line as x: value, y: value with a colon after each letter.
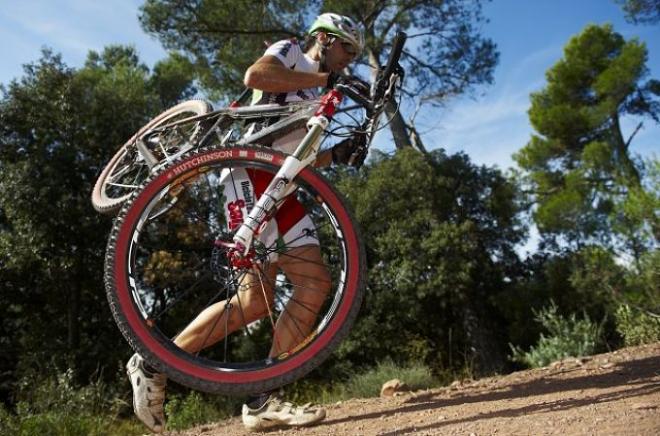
x: 482, y: 340
x: 633, y: 179
x: 398, y: 126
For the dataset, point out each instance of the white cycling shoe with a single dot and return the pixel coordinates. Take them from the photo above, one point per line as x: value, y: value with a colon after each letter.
x: 275, y: 413
x: 148, y: 393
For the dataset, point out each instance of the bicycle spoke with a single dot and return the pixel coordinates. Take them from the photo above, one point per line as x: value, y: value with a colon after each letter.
x: 235, y: 315
x: 284, y: 309
x: 180, y: 297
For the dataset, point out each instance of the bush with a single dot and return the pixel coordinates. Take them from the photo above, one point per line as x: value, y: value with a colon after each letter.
x: 54, y: 405
x: 570, y: 337
x: 368, y: 384
x: 365, y: 384
x: 636, y: 326
x: 195, y: 409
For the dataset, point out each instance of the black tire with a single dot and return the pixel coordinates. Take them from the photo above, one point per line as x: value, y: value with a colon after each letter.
x: 161, y: 264
x: 126, y: 170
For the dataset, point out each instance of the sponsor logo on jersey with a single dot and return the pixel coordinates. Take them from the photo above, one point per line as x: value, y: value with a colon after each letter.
x: 235, y: 211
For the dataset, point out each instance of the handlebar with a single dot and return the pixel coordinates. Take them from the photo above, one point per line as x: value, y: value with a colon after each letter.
x: 382, y: 82
x: 395, y: 54
x: 379, y: 93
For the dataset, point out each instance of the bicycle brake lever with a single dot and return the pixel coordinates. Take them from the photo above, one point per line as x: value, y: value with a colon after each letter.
x: 355, y: 95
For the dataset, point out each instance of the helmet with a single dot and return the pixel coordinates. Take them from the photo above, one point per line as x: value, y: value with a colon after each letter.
x: 340, y: 26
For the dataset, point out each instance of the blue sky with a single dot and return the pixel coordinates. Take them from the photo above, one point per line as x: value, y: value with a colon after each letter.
x: 530, y: 36
x: 489, y: 126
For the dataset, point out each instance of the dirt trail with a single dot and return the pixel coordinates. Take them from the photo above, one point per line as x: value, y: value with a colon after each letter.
x: 608, y: 394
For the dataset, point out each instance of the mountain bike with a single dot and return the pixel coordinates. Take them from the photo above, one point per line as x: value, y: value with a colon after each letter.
x: 188, y: 125
x: 204, y: 235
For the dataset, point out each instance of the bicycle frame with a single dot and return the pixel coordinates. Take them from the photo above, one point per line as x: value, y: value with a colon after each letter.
x: 308, y: 149
x: 293, y: 116
x: 282, y: 185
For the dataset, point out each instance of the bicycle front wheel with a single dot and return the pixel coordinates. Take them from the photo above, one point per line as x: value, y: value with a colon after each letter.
x: 218, y: 322
x: 127, y: 169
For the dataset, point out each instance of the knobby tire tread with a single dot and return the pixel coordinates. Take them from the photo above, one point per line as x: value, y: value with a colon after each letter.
x: 216, y: 387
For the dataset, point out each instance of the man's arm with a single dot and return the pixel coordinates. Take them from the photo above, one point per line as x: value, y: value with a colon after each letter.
x: 270, y: 75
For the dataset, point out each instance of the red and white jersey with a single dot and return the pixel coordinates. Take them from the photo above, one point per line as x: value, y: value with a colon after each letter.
x: 289, y: 52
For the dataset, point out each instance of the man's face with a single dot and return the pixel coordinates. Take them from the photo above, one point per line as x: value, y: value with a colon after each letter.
x: 339, y: 54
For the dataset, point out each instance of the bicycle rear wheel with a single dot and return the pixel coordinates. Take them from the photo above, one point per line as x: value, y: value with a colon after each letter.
x: 169, y: 259
x: 127, y: 170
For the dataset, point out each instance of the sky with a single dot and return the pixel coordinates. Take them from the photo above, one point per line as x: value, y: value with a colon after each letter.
x: 489, y: 126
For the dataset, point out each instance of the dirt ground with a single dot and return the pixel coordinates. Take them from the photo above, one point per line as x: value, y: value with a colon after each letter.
x: 608, y: 394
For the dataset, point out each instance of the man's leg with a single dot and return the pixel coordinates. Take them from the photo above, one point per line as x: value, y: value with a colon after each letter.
x: 253, y: 301
x: 310, y: 278
x: 306, y: 272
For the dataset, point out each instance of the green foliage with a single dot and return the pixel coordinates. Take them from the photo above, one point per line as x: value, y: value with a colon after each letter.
x: 368, y: 384
x: 637, y: 326
x: 578, y: 167
x: 438, y: 246
x: 58, y: 126
x: 635, y: 216
x: 637, y: 314
x: 222, y: 38
x: 194, y: 408
x: 212, y: 34
x: 363, y: 384
x: 641, y: 11
x: 567, y: 337
x: 57, y: 406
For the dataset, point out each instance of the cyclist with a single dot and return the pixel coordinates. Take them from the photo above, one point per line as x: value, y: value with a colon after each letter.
x: 285, y: 73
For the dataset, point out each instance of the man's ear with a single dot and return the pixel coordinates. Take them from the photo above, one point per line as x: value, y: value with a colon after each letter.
x: 322, y: 38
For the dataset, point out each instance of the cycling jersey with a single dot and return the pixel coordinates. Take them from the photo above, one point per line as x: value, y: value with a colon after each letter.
x: 289, y: 52
x: 291, y: 55
x: 290, y: 227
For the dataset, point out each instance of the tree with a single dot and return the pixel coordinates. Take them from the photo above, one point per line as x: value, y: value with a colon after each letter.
x: 440, y: 249
x: 58, y: 126
x: 641, y: 11
x: 579, y: 167
x: 445, y: 55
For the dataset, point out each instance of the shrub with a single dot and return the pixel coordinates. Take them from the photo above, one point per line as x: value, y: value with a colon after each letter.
x: 54, y: 405
x: 365, y: 384
x: 636, y: 326
x: 568, y: 337
x: 194, y: 409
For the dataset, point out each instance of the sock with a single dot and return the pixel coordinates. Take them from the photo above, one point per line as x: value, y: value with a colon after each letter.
x: 149, y: 368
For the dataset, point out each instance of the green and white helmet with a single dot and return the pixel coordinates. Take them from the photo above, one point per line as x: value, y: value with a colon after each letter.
x: 340, y: 26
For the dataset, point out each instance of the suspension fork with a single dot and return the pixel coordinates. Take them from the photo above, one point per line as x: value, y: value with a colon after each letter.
x: 282, y: 184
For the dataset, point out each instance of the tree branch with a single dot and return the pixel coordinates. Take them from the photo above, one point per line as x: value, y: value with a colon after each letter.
x: 639, y: 126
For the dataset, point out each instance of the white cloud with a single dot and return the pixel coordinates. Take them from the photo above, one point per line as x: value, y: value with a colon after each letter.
x: 491, y: 128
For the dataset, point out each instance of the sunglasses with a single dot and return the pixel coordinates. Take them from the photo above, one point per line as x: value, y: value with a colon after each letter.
x: 348, y: 48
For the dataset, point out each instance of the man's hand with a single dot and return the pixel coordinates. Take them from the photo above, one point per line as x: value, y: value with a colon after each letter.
x: 355, y: 82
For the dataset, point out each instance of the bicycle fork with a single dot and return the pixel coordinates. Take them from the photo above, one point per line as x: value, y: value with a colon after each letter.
x: 282, y: 185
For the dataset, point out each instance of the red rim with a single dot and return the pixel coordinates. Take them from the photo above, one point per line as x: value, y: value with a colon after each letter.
x: 173, y: 359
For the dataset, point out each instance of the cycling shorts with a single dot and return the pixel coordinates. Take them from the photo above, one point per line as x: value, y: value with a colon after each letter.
x: 290, y: 227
